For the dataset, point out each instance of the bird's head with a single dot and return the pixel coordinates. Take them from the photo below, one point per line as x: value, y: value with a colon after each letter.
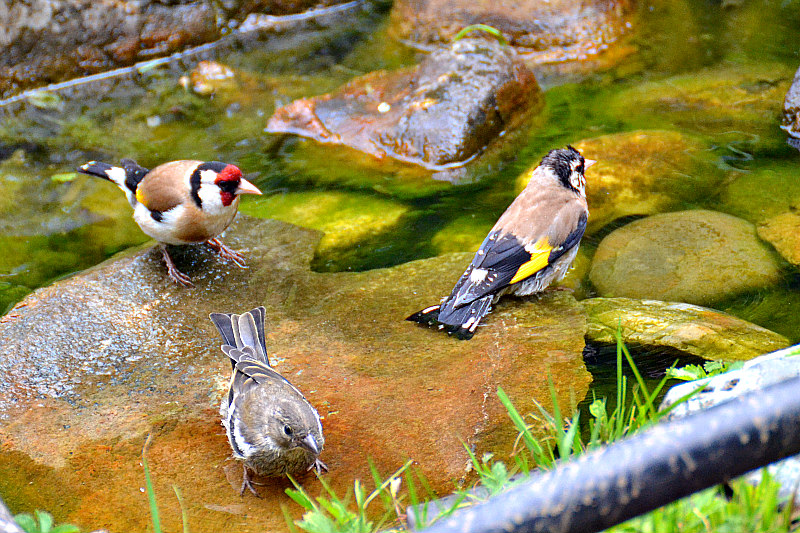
x: 297, y: 426
x: 219, y: 183
x: 569, y: 166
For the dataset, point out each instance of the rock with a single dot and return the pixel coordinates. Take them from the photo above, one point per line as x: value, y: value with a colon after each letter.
x: 689, y: 328
x: 346, y: 219
x: 791, y: 112
x: 96, y: 362
x: 53, y: 40
x: 208, y: 77
x: 439, y: 114
x: 695, y: 257
x: 783, y: 232
x: 555, y: 31
x: 721, y: 100
x: 49, y: 40
x: 777, y: 309
x: 754, y: 375
x: 642, y: 173
x: 751, y: 195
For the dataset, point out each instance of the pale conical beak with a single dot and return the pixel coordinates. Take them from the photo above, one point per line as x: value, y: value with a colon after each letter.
x: 310, y: 444
x: 245, y: 187
x: 588, y: 162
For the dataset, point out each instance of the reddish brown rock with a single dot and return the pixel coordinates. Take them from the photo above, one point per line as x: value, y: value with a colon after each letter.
x: 546, y: 32
x: 438, y: 114
x: 45, y: 41
x: 95, y: 363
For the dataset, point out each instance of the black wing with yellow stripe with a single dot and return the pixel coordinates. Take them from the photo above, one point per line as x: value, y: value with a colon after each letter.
x: 503, y: 260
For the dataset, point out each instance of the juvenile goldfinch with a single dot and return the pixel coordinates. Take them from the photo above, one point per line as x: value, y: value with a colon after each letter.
x: 271, y: 427
x: 532, y: 244
x: 181, y: 202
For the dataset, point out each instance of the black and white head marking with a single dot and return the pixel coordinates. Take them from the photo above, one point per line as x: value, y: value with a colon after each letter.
x: 568, y: 165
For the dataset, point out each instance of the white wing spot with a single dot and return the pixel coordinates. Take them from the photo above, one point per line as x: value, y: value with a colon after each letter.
x: 478, y: 275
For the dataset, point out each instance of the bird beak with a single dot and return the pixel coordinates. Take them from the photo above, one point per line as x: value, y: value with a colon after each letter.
x: 588, y: 162
x: 245, y: 187
x: 310, y: 444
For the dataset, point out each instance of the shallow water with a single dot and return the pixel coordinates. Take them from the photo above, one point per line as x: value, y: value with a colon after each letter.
x: 690, y: 55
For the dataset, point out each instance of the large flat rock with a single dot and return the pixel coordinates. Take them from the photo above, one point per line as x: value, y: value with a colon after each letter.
x: 96, y: 362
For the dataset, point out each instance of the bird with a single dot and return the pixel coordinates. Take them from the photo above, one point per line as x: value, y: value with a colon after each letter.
x: 180, y: 202
x: 270, y: 425
x: 532, y: 244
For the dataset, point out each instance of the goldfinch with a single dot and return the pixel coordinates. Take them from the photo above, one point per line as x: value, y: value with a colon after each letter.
x: 532, y: 244
x: 180, y: 202
x: 271, y: 427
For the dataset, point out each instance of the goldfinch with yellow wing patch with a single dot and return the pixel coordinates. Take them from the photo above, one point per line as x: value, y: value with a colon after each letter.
x: 532, y: 244
x: 181, y: 202
x: 271, y: 427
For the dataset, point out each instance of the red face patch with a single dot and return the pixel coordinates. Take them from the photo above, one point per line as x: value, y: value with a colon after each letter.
x: 228, y: 180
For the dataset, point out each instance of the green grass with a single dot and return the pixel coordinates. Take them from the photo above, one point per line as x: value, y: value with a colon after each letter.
x: 750, y: 508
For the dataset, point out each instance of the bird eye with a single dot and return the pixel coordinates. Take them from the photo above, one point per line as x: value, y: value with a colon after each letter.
x: 228, y: 186
x: 288, y: 431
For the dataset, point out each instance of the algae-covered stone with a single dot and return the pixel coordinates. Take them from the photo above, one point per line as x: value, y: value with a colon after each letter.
x: 345, y: 218
x: 96, y: 362
x: 689, y: 328
x: 729, y: 97
x: 462, y: 234
x: 752, y: 195
x: 783, y: 232
x: 641, y: 173
x: 547, y: 32
x: 689, y: 256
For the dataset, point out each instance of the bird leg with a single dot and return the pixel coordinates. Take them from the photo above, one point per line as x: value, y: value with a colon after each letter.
x: 247, y: 483
x: 227, y: 253
x: 319, y: 466
x: 179, y: 277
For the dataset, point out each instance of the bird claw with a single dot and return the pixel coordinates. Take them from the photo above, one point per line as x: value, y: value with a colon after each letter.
x: 226, y: 253
x: 318, y: 466
x: 247, y: 483
x: 179, y: 277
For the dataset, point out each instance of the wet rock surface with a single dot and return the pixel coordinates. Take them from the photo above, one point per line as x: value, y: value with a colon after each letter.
x: 642, y: 173
x: 52, y: 40
x: 94, y: 363
x: 546, y: 32
x: 438, y: 114
x: 689, y: 328
x: 695, y: 257
x: 791, y: 112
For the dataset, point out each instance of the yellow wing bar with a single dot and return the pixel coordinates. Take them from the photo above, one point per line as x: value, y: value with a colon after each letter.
x: 540, y: 252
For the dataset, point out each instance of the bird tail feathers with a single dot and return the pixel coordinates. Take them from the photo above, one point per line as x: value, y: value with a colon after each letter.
x: 459, y: 322
x: 243, y: 334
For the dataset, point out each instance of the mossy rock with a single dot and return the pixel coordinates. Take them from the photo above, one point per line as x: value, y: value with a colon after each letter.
x: 695, y: 256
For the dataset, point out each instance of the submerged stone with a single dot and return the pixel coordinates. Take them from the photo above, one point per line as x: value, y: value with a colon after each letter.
x: 439, y: 114
x: 95, y: 363
x: 346, y: 219
x: 641, y: 173
x: 689, y: 328
x: 695, y: 257
x: 544, y: 32
x: 732, y: 97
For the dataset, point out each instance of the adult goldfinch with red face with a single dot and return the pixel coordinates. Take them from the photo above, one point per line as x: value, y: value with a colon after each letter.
x: 532, y: 244
x: 180, y: 202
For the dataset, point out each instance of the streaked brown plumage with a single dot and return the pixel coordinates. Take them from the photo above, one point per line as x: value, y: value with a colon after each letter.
x: 270, y: 425
x: 532, y: 244
x: 180, y: 202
